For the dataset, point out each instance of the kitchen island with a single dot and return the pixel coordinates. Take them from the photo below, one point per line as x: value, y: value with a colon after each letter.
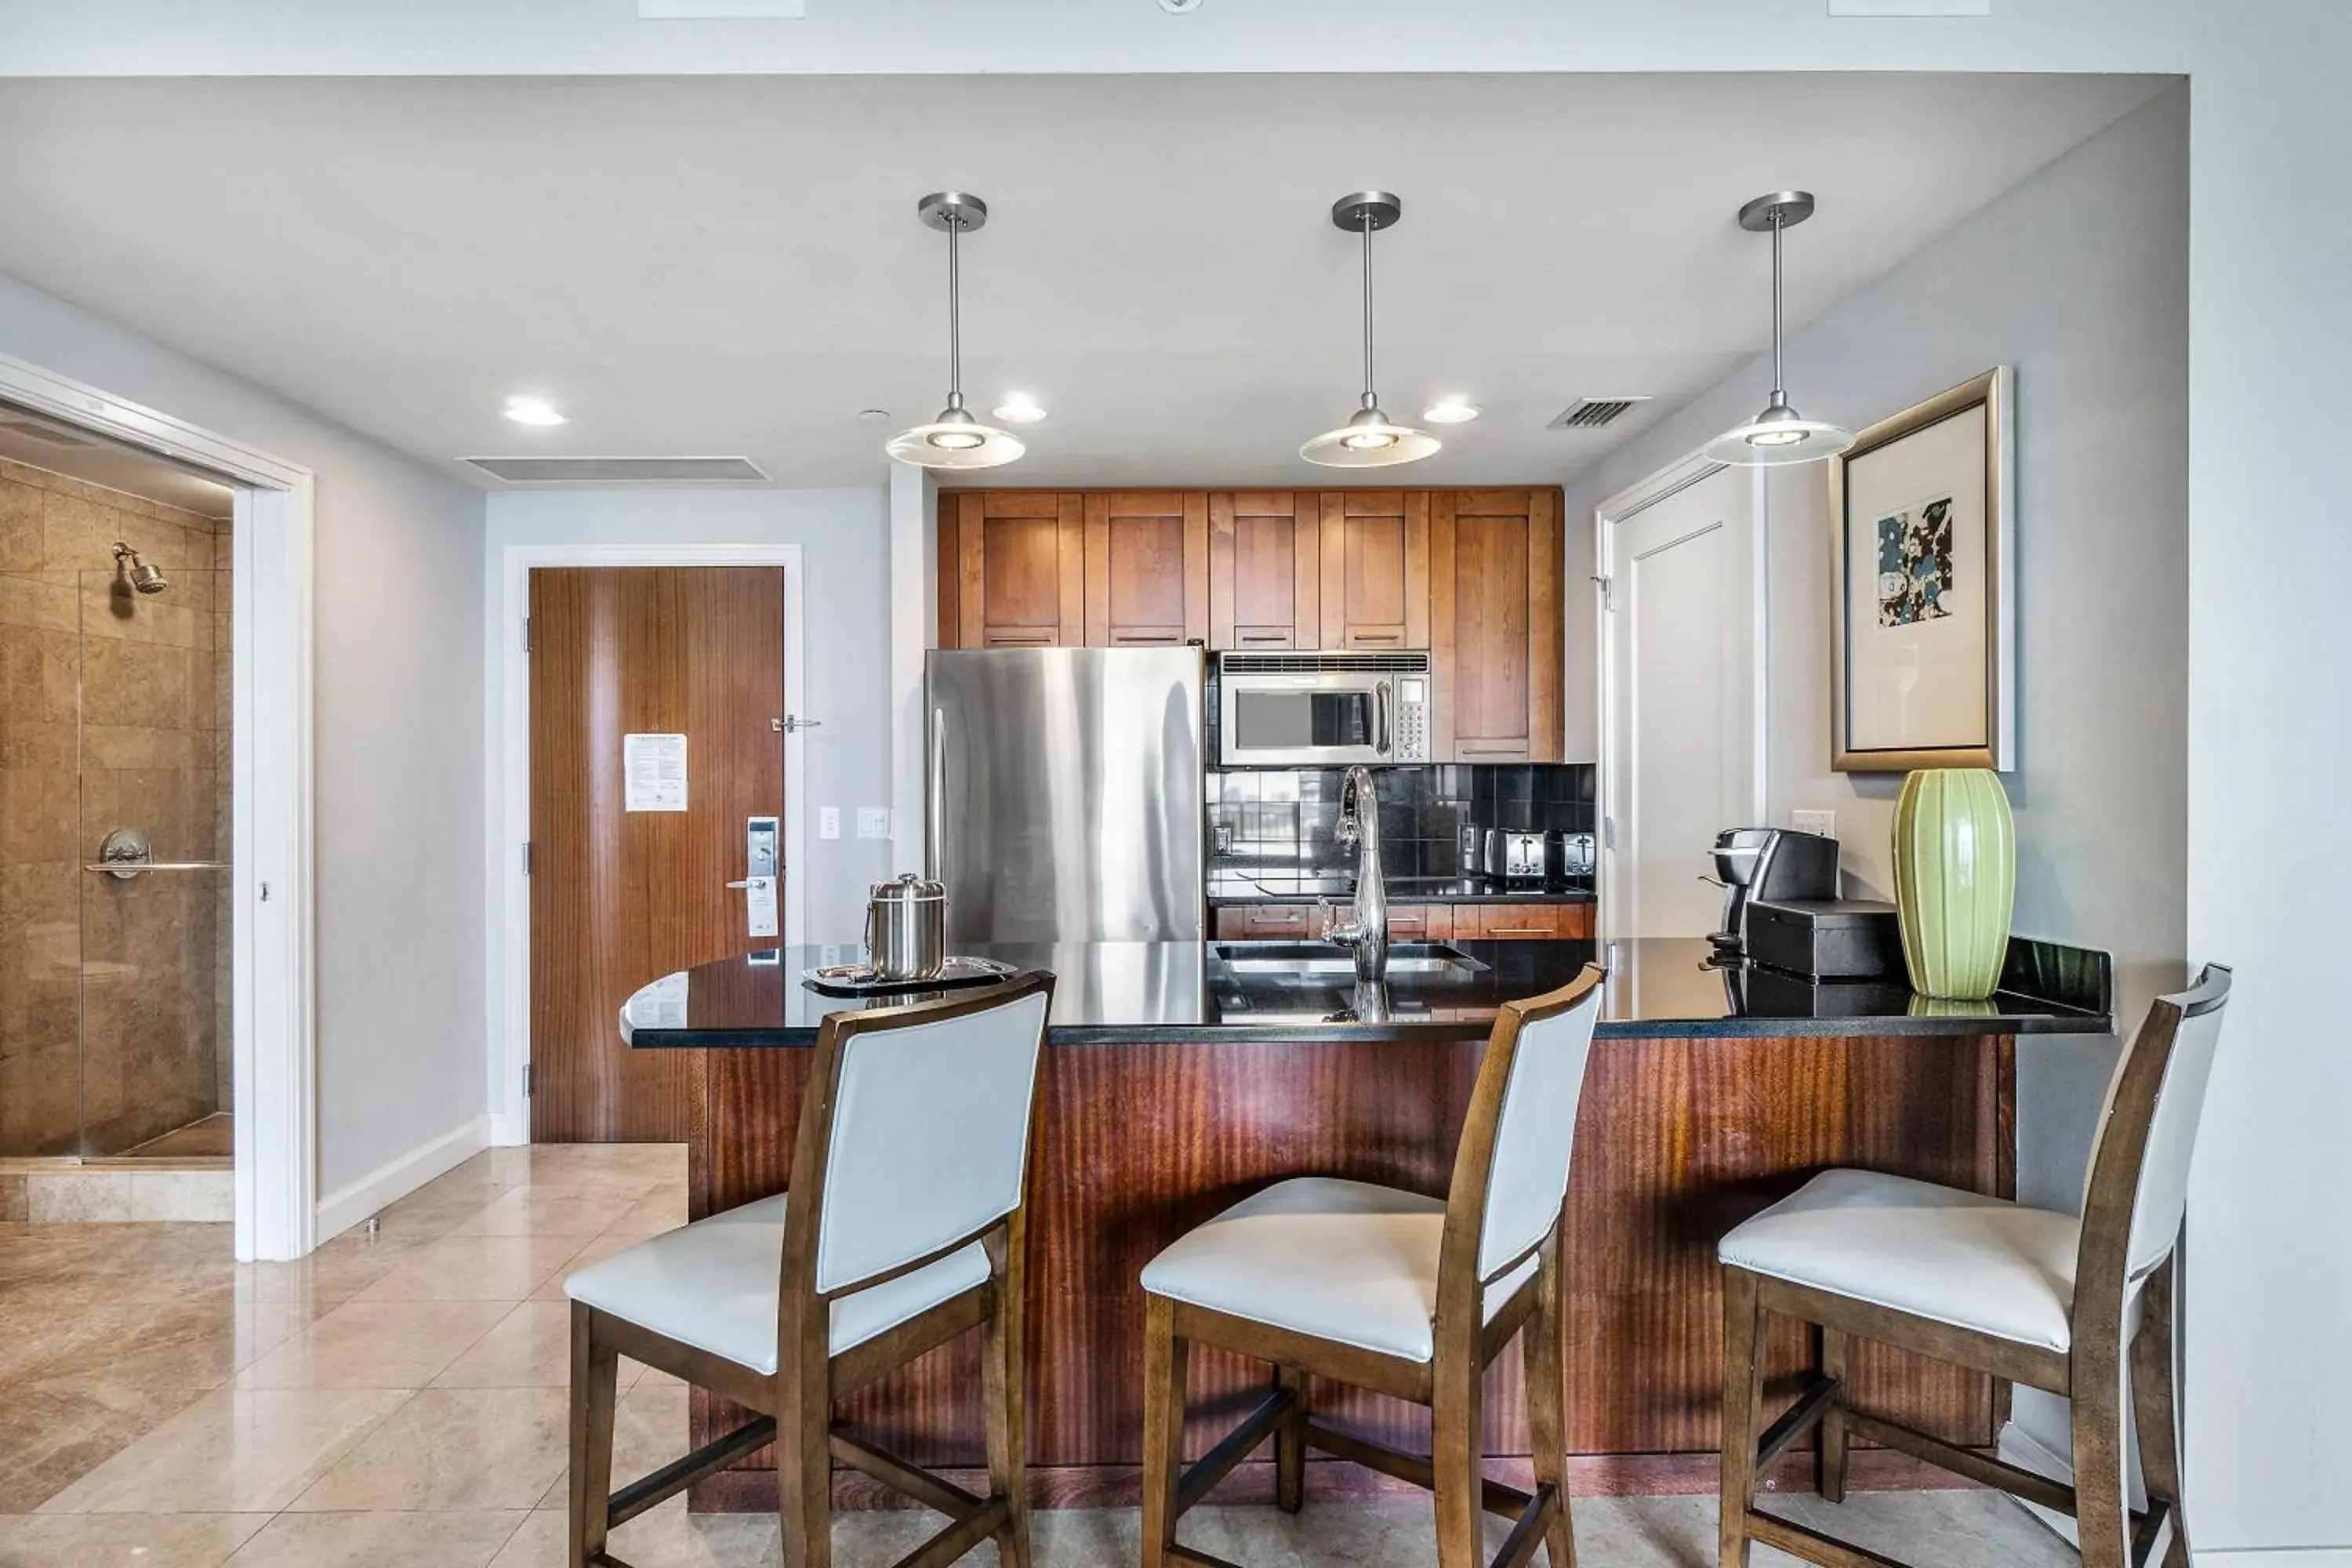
x: 1181, y: 1075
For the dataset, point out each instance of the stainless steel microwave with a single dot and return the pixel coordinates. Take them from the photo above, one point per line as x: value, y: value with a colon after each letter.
x: 1322, y: 709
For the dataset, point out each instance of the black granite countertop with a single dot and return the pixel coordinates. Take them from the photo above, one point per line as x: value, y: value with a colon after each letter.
x: 1306, y: 887
x: 1113, y: 993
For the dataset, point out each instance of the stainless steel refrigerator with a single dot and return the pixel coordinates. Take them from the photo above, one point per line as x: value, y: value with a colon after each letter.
x: 1064, y: 801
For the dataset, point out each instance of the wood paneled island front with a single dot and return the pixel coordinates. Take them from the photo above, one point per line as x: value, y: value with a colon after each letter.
x: 1174, y: 1084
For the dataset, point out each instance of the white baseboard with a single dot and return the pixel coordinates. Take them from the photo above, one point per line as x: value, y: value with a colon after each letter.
x: 508, y: 1131
x: 348, y: 1205
x: 2278, y: 1557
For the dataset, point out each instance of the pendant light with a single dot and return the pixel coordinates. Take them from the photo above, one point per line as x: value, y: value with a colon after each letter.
x: 1780, y: 434
x: 955, y: 439
x: 1368, y: 440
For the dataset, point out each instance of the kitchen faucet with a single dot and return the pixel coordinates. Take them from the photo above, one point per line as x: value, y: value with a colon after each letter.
x: 1359, y: 829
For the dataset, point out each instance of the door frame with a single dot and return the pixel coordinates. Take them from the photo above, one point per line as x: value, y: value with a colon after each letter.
x: 509, y: 959
x: 273, y: 943
x: 1622, y: 508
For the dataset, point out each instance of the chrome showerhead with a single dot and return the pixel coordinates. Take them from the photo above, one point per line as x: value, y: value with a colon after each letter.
x: 143, y: 577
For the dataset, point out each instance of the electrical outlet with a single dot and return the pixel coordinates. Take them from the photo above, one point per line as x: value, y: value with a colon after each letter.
x: 828, y: 822
x: 1822, y: 822
x: 873, y: 822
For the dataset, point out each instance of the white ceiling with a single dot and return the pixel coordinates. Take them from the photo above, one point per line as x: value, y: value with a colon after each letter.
x: 732, y: 265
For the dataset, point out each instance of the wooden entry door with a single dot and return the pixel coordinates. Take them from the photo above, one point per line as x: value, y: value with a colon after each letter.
x: 619, y: 897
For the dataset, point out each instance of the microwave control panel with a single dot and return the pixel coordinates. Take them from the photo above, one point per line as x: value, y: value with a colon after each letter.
x: 1412, y: 721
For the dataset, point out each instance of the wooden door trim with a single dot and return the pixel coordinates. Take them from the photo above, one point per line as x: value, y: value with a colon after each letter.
x: 508, y: 961
x: 1622, y: 508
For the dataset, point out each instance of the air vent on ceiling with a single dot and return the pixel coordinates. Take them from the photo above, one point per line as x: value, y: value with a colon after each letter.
x: 1593, y: 412
x: 620, y: 471
x: 42, y: 431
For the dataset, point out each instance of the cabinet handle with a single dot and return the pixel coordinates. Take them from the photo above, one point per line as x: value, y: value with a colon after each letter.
x: 1518, y: 931
x: 1375, y: 637
x: 1020, y: 639
x: 1494, y: 750
x: 1157, y: 638
x: 1283, y: 638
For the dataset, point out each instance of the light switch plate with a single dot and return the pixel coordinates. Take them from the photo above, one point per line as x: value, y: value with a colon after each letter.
x: 828, y: 822
x: 1822, y: 822
x: 873, y: 822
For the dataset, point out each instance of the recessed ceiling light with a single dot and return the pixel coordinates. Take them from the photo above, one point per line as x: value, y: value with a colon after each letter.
x: 1019, y: 408
x: 1454, y: 409
x: 873, y: 415
x: 533, y: 411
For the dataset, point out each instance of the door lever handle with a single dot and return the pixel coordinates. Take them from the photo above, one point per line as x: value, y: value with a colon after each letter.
x: 747, y: 882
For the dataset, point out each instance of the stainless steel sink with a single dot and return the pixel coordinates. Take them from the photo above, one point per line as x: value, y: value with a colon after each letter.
x: 1317, y: 962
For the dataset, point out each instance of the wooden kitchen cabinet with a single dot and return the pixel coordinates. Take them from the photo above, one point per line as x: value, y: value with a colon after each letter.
x: 1147, y: 568
x: 1012, y: 569
x: 1266, y: 568
x: 1496, y: 626
x: 1376, y: 564
x: 1505, y: 922
x: 1421, y: 922
x: 1266, y: 922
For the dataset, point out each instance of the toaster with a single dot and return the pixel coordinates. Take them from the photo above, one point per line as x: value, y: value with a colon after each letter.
x: 1514, y: 857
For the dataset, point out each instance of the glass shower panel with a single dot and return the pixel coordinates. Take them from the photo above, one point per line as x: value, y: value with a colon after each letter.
x: 40, y: 871
x: 153, y: 838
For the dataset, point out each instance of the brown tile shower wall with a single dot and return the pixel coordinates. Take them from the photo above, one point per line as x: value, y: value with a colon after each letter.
x: 113, y: 713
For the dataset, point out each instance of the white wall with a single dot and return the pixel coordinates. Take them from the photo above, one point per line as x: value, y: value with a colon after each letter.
x: 399, y: 756
x: 844, y: 539
x: 2079, y: 278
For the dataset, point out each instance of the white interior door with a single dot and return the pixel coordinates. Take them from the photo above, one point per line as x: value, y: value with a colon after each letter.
x: 1683, y: 740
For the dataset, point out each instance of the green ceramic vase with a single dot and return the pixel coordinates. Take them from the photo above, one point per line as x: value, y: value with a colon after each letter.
x: 1955, y: 880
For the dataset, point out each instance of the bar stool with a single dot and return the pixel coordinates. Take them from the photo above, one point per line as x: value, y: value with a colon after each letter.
x: 905, y: 1228
x: 1393, y: 1291
x: 2081, y: 1307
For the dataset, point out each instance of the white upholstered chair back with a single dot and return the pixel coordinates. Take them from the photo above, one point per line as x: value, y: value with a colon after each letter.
x: 2162, y: 1195
x: 930, y: 1137
x: 1535, y: 1134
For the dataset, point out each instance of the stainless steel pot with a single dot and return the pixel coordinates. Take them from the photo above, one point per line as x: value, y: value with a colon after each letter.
x: 906, y: 928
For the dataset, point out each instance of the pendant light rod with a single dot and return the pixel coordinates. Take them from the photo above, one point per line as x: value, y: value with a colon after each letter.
x: 1370, y: 400
x: 1780, y: 383
x: 955, y: 313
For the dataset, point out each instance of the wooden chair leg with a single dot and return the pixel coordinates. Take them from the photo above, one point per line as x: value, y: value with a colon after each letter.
x: 1743, y: 1400
x: 2154, y: 1413
x: 1546, y: 1374
x: 1165, y: 1362
x: 596, y: 1372
x: 1004, y: 1385
x: 1829, y: 1455
x: 1290, y: 1443
x: 804, y: 1458
x: 1455, y: 1445
x: 2102, y: 1480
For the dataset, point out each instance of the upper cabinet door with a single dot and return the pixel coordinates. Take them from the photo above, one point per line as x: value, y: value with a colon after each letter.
x: 1495, y: 604
x: 1266, y: 568
x: 1012, y: 569
x: 1147, y: 554
x: 1375, y: 569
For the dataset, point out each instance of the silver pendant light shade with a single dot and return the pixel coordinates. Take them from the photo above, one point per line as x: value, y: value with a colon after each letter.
x: 1369, y: 439
x: 955, y: 439
x: 1780, y: 434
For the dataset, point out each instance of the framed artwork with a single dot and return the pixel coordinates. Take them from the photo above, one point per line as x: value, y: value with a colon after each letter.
x: 1922, y: 557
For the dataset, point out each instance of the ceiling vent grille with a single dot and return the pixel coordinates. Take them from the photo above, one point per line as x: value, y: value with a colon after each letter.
x: 44, y: 432
x: 620, y: 471
x: 1593, y: 412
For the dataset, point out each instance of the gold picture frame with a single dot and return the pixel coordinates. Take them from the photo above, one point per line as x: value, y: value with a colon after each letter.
x: 1922, y: 670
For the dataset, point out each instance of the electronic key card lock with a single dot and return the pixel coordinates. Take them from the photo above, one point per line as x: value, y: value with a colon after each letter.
x: 760, y: 870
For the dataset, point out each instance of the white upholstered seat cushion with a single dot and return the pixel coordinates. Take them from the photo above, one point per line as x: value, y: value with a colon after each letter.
x: 1933, y: 1252
x: 1345, y: 1261
x: 713, y: 1284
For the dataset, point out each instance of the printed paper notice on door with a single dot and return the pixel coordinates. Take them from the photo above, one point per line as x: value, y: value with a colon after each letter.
x: 653, y: 768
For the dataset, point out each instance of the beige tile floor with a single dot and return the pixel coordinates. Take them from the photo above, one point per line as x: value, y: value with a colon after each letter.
x: 401, y: 1401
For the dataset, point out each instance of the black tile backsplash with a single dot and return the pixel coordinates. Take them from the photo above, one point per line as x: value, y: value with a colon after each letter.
x: 1286, y: 818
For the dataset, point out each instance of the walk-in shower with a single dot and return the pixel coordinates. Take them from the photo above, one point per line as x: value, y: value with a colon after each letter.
x: 114, y: 823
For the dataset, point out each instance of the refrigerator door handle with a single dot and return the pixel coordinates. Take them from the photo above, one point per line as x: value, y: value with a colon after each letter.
x: 935, y: 790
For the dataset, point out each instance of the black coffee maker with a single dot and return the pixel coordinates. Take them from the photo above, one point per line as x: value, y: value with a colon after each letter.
x: 1773, y: 864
